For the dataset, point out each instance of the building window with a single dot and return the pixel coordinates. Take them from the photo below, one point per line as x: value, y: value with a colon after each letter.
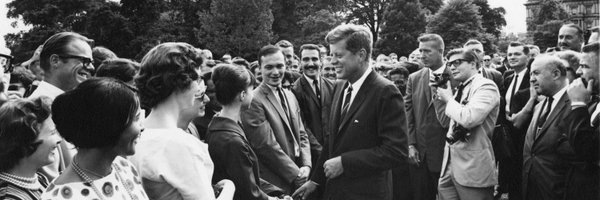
x: 589, y: 9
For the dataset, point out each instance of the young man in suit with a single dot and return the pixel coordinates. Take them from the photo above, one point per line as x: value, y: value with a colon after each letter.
x: 314, y: 94
x: 274, y: 127
x: 546, y: 146
x: 425, y: 131
x: 368, y: 125
x: 514, y: 97
x: 583, y: 124
x: 469, y: 167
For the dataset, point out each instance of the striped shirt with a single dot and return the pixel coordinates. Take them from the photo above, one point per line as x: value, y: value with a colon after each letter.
x: 10, y: 191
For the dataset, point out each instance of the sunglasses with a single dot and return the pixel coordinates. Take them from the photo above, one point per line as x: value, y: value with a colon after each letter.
x: 85, y: 61
x: 486, y: 60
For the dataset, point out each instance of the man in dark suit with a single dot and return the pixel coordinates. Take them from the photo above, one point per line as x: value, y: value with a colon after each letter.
x: 274, y: 126
x: 368, y: 125
x: 584, y: 128
x: 425, y: 131
x: 546, y: 146
x: 314, y: 94
x: 513, y: 99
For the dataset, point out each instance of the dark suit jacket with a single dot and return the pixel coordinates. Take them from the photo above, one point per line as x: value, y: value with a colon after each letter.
x: 517, y: 102
x: 235, y: 160
x: 371, y: 140
x: 544, y: 156
x: 272, y: 135
x: 315, y: 111
x: 493, y: 75
x: 582, y: 177
x: 426, y: 130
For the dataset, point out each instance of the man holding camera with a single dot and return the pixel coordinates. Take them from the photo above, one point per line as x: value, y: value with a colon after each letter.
x: 468, y: 168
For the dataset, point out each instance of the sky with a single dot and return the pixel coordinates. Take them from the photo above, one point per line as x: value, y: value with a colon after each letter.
x: 515, y: 17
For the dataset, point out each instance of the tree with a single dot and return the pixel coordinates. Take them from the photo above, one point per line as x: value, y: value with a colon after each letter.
x: 367, y: 12
x: 492, y: 19
x: 110, y: 29
x: 315, y: 27
x: 431, y: 6
x: 237, y: 27
x: 546, y: 34
x: 404, y: 20
x: 548, y: 10
x: 457, y: 21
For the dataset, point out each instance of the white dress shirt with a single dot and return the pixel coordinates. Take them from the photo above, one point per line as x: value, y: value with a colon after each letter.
x: 355, y: 87
x: 508, y: 95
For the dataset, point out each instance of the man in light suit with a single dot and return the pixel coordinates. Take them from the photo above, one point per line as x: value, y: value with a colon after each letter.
x: 546, y: 144
x: 425, y: 130
x: 314, y: 94
x: 368, y: 125
x: 469, y: 168
x: 584, y: 128
x: 274, y: 126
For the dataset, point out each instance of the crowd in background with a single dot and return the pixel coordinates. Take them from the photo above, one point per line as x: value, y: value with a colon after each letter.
x: 303, y: 121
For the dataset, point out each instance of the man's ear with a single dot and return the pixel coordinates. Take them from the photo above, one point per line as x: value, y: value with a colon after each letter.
x: 53, y: 61
x: 362, y: 53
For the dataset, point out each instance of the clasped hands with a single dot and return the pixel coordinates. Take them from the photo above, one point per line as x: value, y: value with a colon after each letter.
x: 332, y: 168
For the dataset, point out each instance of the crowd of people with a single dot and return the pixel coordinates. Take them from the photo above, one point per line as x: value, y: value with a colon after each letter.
x: 331, y: 122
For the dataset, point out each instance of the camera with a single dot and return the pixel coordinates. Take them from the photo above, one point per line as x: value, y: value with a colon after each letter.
x: 459, y: 133
x: 440, y: 80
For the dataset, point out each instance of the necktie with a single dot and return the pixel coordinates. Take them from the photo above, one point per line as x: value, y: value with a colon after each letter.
x: 514, y: 86
x: 317, y: 90
x: 283, y: 102
x: 544, y: 114
x: 459, y: 92
x: 346, y: 100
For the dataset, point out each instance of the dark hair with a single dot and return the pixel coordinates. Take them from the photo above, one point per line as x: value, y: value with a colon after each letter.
x: 230, y: 80
x: 357, y: 37
x: 310, y: 47
x: 284, y: 44
x: 253, y: 66
x: 291, y: 76
x: 267, y: 50
x: 467, y: 55
x: 23, y: 76
x: 57, y: 44
x: 166, y: 68
x: 410, y: 66
x: 95, y: 113
x: 100, y: 54
x: 120, y: 68
x: 241, y: 62
x: 399, y: 70
x: 576, y: 27
x: 591, y: 48
x: 19, y: 129
x: 518, y: 44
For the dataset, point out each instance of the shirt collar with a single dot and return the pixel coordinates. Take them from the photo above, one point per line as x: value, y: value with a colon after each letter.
x: 356, y: 85
x: 522, y: 73
x: 559, y: 94
x: 310, y: 80
x: 437, y: 71
x: 49, y: 90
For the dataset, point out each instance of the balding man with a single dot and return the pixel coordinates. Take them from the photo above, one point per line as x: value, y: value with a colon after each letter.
x: 544, y: 169
x: 570, y: 36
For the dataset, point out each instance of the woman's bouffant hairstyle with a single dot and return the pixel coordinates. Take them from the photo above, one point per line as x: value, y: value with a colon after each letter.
x: 119, y: 68
x: 230, y: 80
x: 166, y: 68
x: 95, y: 113
x: 20, y: 121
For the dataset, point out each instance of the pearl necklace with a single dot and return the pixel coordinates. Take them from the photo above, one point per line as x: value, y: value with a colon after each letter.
x: 23, y: 182
x: 87, y: 179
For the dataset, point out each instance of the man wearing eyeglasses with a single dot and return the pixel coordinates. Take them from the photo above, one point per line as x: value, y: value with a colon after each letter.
x: 66, y: 59
x: 469, y: 167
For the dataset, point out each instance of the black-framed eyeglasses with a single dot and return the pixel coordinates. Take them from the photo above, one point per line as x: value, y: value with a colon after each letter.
x: 486, y: 60
x: 84, y: 60
x: 455, y: 62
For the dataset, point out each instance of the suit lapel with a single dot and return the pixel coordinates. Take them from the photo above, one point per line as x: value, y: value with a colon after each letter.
x: 271, y: 97
x: 425, y: 83
x: 358, y: 99
x: 525, y: 82
x: 306, y: 86
x: 337, y: 103
x: 560, y: 106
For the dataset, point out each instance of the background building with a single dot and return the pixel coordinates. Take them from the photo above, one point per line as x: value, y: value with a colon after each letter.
x: 584, y: 13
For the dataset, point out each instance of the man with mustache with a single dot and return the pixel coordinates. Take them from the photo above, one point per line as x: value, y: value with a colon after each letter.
x: 570, y: 37
x: 66, y: 59
x: 314, y: 94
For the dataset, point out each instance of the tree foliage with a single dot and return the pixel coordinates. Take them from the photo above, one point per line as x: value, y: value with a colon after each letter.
x: 237, y: 27
x: 492, y: 19
x: 548, y: 10
x: 404, y: 21
x: 367, y: 12
x: 431, y: 6
x: 457, y: 21
x: 314, y: 27
x: 546, y: 34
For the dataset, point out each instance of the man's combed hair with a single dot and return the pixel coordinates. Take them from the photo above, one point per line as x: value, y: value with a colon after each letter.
x: 435, y: 38
x: 357, y: 37
x: 518, y: 44
x: 467, y: 54
x: 284, y: 44
x: 57, y: 44
x: 167, y: 68
x: 310, y: 47
x: 267, y: 50
x: 472, y: 42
